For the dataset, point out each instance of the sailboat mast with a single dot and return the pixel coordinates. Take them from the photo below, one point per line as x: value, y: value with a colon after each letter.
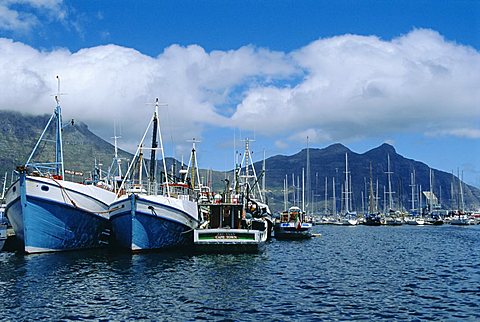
x: 431, y: 192
x: 346, y: 184
x: 412, y: 184
x: 334, y: 206
x: 153, y: 159
x: 263, y: 178
x: 370, y: 201
x: 326, y: 195
x: 462, y: 205
x: 303, y: 190
x: 390, y: 200
x: 308, y: 183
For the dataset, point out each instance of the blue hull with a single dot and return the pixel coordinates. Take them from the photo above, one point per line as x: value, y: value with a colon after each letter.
x: 46, y: 226
x: 291, y: 232
x: 140, y: 231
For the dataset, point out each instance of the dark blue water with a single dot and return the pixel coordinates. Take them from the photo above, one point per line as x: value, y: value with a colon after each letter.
x: 349, y: 273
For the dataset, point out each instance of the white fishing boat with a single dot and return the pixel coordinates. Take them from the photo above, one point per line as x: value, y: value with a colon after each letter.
x: 49, y: 213
x: 148, y: 215
x: 229, y: 229
x: 239, y: 220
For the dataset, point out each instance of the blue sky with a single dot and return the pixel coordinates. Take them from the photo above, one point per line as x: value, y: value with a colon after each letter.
x: 356, y: 72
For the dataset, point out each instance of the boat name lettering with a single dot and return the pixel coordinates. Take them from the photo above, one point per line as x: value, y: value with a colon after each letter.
x: 226, y: 236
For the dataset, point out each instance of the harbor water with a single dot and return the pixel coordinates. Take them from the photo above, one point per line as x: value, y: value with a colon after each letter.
x: 349, y: 273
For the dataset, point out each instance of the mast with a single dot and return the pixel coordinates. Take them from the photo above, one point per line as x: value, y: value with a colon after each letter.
x: 140, y: 165
x: 194, y: 163
x: 462, y: 205
x: 371, y: 196
x: 59, y: 170
x: 263, y: 177
x: 334, y: 197
x: 390, y: 200
x: 431, y: 192
x: 452, y: 193
x: 294, y: 190
x: 326, y: 196
x: 412, y: 185
x: 346, y: 185
x: 303, y: 190
x: 193, y: 166
x: 308, y: 183
x: 153, y: 159
x: 384, y: 200
x: 56, y: 166
x: 420, y: 199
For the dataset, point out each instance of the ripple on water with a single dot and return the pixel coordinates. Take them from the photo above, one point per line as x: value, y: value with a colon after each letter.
x: 360, y: 273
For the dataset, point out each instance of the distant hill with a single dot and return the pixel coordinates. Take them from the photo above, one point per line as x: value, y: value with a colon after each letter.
x: 19, y: 134
x: 82, y: 148
x: 330, y: 162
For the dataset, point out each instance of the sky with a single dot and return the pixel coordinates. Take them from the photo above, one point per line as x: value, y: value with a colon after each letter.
x: 360, y: 73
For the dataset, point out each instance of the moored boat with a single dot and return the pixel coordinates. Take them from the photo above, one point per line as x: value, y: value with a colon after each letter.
x: 150, y: 215
x: 227, y: 228
x: 49, y: 213
x: 239, y: 220
x: 415, y: 220
x: 372, y: 219
x: 292, y: 225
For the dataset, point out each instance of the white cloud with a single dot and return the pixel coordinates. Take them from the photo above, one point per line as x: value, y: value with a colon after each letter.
x: 468, y: 133
x: 356, y: 86
x: 108, y: 83
x: 336, y: 89
x: 23, y: 15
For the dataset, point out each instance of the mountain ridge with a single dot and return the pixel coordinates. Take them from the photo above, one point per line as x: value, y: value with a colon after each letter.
x: 83, y: 149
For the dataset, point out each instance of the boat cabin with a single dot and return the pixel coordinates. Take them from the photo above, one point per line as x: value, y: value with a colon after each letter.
x: 293, y: 214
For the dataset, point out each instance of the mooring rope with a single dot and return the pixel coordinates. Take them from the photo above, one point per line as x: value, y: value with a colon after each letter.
x: 65, y: 193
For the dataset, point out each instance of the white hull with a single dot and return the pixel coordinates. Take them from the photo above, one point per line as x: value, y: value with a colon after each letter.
x: 55, y: 215
x: 143, y: 222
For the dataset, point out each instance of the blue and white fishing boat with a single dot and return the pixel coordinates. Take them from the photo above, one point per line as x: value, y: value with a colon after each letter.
x: 50, y: 214
x: 150, y: 215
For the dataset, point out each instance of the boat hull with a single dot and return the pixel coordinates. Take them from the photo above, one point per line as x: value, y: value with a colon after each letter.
x: 142, y: 223
x: 226, y: 240
x: 291, y: 231
x: 49, y: 215
x: 3, y: 235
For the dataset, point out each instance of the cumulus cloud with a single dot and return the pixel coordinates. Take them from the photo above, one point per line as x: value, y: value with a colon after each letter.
x: 108, y: 83
x: 333, y: 89
x: 356, y: 86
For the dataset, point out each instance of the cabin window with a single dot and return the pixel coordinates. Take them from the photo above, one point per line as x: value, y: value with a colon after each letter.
x: 14, y: 188
x: 44, y: 188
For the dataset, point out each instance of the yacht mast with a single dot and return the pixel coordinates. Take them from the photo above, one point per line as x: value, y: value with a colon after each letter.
x: 346, y: 185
